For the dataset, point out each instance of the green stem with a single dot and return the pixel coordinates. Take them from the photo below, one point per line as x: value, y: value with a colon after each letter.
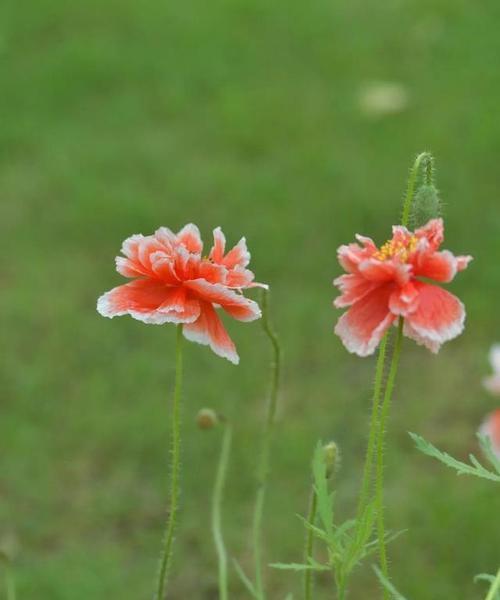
x: 263, y: 467
x: 424, y: 159
x: 495, y: 588
x: 377, y: 393
x: 379, y: 475
x: 175, y: 468
x: 308, y: 574
x: 218, y: 492
x: 10, y: 585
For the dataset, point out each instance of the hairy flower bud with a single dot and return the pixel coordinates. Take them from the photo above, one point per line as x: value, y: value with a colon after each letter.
x: 426, y: 206
x: 332, y: 458
x: 206, y: 418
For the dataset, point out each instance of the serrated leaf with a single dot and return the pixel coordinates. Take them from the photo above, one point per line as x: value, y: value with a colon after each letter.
x: 320, y: 533
x: 476, y: 469
x: 299, y: 567
x: 388, y: 585
x: 485, y: 443
x: 245, y: 580
x: 325, y: 499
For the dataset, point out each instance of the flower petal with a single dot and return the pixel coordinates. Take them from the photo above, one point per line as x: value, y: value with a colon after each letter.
x: 350, y: 255
x: 381, y: 271
x: 352, y: 287
x: 433, y: 232
x: 209, y: 331
x: 239, y: 307
x: 239, y: 256
x: 439, y: 266
x: 142, y: 299
x: 362, y: 327
x: 189, y: 237
x: 495, y: 358
x: 439, y: 317
x: 404, y: 301
x: 463, y: 262
x: 217, y: 251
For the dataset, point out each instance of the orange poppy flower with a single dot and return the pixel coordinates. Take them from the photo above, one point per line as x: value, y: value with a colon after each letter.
x: 173, y: 283
x: 385, y: 283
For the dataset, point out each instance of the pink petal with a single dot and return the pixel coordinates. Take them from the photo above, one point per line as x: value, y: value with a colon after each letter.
x: 130, y: 268
x: 130, y: 247
x: 433, y: 232
x: 362, y: 327
x: 404, y: 301
x: 235, y: 304
x: 189, y: 237
x: 353, y: 287
x: 209, y: 331
x: 163, y: 267
x: 237, y: 256
x: 166, y: 237
x: 439, y: 266
x: 463, y: 262
x: 382, y: 271
x: 439, y: 317
x: 217, y: 251
x: 141, y: 299
x: 492, y: 384
x: 239, y: 277
x: 349, y: 256
x: 180, y: 306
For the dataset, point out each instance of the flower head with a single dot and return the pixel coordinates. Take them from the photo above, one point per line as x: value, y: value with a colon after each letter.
x: 383, y: 284
x: 492, y: 383
x: 491, y: 429
x: 172, y: 282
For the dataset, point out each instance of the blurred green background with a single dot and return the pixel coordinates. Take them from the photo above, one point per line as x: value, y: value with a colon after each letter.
x: 265, y: 118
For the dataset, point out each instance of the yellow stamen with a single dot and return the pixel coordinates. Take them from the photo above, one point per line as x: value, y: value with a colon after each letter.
x: 397, y: 249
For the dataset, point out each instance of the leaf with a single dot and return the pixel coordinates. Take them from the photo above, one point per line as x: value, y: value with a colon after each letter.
x: 299, y: 567
x: 491, y: 579
x: 486, y: 447
x: 388, y: 585
x: 245, y: 580
x: 320, y: 533
x: 462, y: 468
x: 324, y: 497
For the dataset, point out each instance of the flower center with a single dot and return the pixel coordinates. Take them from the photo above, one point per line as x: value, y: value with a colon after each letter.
x: 400, y: 249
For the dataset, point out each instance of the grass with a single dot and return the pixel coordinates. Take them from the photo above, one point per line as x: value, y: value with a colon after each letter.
x: 117, y: 117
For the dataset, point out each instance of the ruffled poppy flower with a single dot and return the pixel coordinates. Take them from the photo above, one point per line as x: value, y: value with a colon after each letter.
x: 491, y: 429
x: 172, y: 282
x: 492, y: 383
x: 386, y: 283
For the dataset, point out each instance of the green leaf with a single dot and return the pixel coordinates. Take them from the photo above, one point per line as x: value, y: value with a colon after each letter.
x: 314, y: 566
x: 486, y: 447
x: 324, y: 497
x: 491, y: 579
x: 388, y: 585
x: 318, y: 532
x: 476, y: 469
x: 245, y: 580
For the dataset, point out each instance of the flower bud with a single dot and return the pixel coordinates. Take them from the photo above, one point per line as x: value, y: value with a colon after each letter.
x: 206, y: 418
x: 332, y: 458
x: 426, y: 206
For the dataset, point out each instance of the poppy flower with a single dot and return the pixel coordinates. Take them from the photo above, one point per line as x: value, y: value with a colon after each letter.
x: 172, y: 282
x: 383, y: 284
x: 491, y: 429
x: 492, y: 383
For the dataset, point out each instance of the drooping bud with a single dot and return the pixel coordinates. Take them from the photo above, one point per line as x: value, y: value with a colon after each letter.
x: 207, y: 418
x: 426, y: 206
x: 332, y: 458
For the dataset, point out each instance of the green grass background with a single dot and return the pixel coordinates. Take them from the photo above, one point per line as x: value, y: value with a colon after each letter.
x: 117, y: 117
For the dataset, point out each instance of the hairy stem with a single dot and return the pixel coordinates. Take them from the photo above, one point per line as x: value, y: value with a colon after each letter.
x: 218, y: 492
x: 377, y: 393
x: 263, y: 467
x: 175, y: 468
x: 379, y: 474
x: 495, y: 588
x: 308, y: 553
